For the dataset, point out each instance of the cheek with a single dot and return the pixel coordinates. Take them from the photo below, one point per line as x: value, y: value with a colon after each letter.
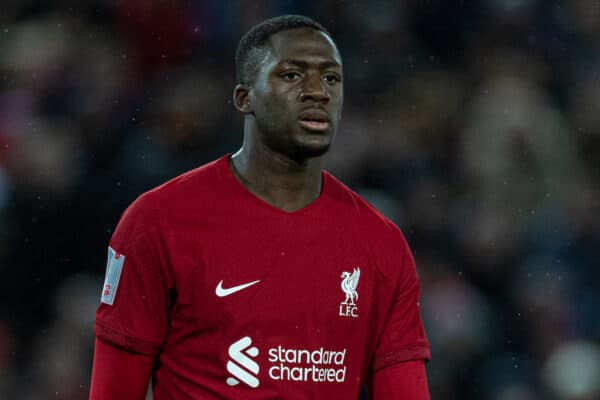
x: 271, y: 117
x: 276, y: 108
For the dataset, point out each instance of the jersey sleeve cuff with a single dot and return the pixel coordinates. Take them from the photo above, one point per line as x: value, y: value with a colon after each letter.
x: 384, y: 360
x: 126, y: 342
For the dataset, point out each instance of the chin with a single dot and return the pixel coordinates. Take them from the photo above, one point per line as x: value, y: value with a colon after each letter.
x: 310, y: 150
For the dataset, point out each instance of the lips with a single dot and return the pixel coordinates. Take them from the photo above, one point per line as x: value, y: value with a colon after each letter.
x: 315, y: 120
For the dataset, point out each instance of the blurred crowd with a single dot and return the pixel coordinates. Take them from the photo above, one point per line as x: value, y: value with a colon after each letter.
x: 475, y: 126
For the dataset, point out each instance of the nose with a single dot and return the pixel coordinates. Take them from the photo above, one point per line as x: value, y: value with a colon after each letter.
x: 315, y: 90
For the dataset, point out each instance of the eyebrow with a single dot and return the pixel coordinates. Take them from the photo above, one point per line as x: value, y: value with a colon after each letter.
x: 305, y: 64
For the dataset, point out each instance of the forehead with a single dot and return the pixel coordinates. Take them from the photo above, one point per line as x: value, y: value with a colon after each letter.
x: 303, y: 43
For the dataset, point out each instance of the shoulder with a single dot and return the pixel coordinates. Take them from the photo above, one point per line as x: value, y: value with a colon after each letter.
x: 355, y: 206
x: 370, y: 225
x: 197, y: 180
x: 159, y: 204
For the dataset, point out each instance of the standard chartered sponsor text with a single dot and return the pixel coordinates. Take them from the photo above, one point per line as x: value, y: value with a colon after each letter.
x: 307, y: 366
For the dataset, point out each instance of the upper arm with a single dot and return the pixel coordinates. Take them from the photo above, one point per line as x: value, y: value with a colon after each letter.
x: 133, y: 313
x: 118, y: 374
x: 132, y: 318
x: 402, y: 338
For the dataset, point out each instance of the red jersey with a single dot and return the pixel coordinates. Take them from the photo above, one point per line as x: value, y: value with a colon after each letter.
x: 238, y: 299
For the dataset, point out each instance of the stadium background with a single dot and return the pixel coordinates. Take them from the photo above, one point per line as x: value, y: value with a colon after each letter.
x: 475, y: 126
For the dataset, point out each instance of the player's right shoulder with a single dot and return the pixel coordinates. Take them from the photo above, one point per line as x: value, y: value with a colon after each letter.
x: 138, y: 217
x: 190, y: 184
x: 154, y: 208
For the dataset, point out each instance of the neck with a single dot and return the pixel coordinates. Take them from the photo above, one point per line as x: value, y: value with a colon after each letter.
x: 281, y: 181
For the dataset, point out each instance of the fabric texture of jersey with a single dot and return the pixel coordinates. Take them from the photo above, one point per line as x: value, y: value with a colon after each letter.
x: 238, y: 299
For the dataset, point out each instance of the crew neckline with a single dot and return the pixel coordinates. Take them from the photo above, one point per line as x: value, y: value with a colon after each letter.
x: 245, y: 192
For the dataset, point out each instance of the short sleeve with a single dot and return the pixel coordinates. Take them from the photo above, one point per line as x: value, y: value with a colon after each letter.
x: 133, y: 310
x: 403, y: 337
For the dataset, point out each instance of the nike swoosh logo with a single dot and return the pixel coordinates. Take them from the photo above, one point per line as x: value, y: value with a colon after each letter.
x: 222, y: 292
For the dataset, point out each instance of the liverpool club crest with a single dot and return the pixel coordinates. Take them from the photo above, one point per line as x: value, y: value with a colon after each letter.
x: 348, y: 307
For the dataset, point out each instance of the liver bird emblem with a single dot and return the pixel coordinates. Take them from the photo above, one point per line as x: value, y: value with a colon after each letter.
x: 349, y: 284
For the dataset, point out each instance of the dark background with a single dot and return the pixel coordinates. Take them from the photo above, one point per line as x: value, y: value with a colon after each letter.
x: 474, y: 125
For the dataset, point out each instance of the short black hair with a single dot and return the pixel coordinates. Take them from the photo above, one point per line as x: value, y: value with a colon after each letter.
x: 249, y: 51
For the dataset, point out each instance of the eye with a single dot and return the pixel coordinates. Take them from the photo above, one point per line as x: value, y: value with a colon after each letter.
x: 290, y: 76
x: 331, y: 78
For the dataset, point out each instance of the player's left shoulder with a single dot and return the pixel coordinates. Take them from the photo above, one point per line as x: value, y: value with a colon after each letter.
x: 371, y: 225
x: 368, y: 216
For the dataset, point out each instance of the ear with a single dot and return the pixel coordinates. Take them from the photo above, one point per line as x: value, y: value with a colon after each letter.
x: 241, y: 98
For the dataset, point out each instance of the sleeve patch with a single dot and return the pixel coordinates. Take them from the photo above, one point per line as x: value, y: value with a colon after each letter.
x: 114, y: 266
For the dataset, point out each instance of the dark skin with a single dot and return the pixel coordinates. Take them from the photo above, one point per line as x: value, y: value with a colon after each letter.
x: 292, y: 109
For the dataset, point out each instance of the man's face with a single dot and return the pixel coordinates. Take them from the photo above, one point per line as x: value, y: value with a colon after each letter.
x: 297, y: 94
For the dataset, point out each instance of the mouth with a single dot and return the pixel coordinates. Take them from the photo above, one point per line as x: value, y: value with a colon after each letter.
x: 314, y: 120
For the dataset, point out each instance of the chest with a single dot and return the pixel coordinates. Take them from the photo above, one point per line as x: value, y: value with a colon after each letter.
x: 274, y: 278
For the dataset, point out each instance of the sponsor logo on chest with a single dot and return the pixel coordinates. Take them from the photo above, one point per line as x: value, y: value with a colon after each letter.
x: 284, y: 364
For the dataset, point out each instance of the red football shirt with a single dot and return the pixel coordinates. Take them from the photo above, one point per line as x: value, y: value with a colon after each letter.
x: 238, y: 299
